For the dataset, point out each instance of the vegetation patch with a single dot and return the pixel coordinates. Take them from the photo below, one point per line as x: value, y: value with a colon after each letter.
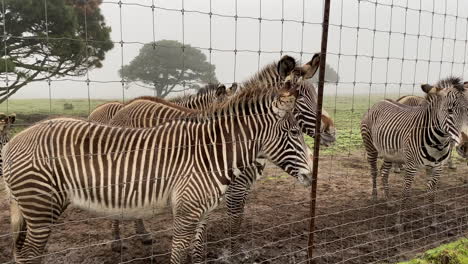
x: 452, y: 253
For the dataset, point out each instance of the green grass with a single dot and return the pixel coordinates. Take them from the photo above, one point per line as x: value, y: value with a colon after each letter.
x: 346, y: 112
x: 452, y: 253
x: 81, y: 107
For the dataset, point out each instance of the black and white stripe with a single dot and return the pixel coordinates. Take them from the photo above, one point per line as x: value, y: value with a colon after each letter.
x: 133, y: 173
x: 415, y: 135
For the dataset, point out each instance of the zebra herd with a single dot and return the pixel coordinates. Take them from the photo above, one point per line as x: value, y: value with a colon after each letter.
x: 133, y: 160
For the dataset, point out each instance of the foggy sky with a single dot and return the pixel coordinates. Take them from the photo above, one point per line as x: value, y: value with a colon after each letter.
x: 133, y: 24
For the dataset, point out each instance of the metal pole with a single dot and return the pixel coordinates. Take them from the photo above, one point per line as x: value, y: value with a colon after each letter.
x: 313, y: 190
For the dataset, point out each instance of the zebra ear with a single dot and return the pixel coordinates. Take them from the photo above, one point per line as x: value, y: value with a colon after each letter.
x: 12, y: 118
x: 286, y: 65
x: 429, y: 89
x: 233, y: 87
x: 220, y: 90
x: 309, y: 69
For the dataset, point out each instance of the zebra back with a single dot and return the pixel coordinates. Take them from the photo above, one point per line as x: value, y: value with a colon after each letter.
x: 206, y: 96
x: 104, y: 113
x: 411, y: 100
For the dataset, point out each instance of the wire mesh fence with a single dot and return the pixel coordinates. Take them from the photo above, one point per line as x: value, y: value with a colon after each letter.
x: 376, y: 50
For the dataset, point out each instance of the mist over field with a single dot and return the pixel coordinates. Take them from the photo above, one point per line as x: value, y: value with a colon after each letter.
x: 388, y: 61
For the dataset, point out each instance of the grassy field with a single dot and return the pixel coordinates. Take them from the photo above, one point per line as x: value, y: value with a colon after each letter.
x: 451, y: 253
x: 346, y: 111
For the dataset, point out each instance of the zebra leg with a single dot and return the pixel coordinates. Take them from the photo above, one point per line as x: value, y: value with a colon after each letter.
x: 433, y: 179
x: 18, y: 227
x: 372, y: 159
x: 199, y: 242
x: 451, y: 164
x: 236, y: 197
x: 145, y: 236
x: 116, y: 244
x: 184, y: 231
x: 384, y: 171
x: 38, y: 221
x: 372, y: 155
x: 410, y: 172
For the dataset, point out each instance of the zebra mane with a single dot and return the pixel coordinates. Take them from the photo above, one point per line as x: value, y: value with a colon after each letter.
x: 160, y: 101
x: 451, y: 81
x: 243, y: 100
x: 268, y: 70
x: 204, y: 90
x: 207, y: 89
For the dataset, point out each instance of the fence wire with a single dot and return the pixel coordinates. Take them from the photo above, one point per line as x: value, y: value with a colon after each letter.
x: 379, y: 49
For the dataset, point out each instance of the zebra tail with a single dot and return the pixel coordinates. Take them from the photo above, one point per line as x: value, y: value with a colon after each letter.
x: 18, y: 225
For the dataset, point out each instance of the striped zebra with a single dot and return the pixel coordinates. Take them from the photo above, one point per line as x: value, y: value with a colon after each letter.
x: 462, y: 149
x: 144, y: 114
x: 413, y: 100
x: 104, y: 112
x: 6, y: 121
x: 417, y: 136
x: 133, y: 173
x: 206, y: 96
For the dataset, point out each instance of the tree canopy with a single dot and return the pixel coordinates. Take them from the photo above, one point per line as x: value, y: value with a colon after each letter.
x: 167, y: 63
x: 50, y: 39
x: 331, y: 76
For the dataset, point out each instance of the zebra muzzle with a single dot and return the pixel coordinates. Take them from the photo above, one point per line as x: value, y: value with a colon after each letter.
x: 305, y: 179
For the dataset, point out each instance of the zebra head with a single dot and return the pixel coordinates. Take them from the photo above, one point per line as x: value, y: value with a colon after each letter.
x: 462, y: 149
x: 306, y: 104
x: 6, y: 121
x: 449, y: 99
x: 285, y: 145
x: 213, y: 93
x: 5, y: 124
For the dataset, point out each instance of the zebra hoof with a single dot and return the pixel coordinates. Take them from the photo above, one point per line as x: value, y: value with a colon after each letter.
x: 146, y: 239
x: 452, y: 167
x: 118, y: 246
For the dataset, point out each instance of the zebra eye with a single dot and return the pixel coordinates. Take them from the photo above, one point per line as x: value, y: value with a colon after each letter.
x: 450, y: 111
x: 295, y: 132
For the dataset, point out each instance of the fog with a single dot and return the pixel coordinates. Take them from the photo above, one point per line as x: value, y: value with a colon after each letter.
x: 387, y: 60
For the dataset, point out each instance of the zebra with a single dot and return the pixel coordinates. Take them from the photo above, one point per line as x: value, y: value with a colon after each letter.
x: 413, y: 100
x: 6, y: 121
x: 462, y: 148
x: 418, y: 136
x: 144, y: 114
x: 207, y: 95
x: 126, y: 172
x: 211, y: 93
x: 104, y: 112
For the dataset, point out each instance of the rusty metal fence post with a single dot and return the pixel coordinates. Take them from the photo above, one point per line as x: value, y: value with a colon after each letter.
x: 313, y: 190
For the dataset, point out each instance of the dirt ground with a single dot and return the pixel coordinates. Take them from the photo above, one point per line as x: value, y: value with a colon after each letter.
x: 350, y: 227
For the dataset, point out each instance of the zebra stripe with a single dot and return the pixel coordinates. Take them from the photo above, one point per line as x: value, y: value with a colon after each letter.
x: 104, y: 113
x: 143, y: 114
x: 205, y: 97
x: 417, y: 136
x: 126, y: 172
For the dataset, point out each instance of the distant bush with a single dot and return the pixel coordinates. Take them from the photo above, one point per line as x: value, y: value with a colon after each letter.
x: 68, y: 106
